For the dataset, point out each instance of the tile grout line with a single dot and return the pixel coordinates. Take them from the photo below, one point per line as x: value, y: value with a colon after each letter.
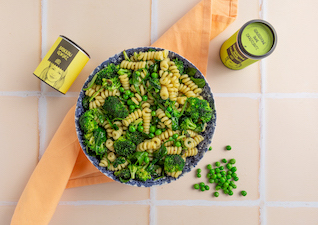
x: 262, y: 119
x: 42, y: 107
x: 243, y: 203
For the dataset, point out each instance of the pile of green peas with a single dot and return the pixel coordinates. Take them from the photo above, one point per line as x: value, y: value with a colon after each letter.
x: 224, y: 180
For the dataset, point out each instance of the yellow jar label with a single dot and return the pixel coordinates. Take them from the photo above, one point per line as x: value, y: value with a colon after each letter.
x: 61, y: 65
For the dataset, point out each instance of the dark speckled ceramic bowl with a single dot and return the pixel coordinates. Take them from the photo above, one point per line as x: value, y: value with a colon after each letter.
x: 191, y: 161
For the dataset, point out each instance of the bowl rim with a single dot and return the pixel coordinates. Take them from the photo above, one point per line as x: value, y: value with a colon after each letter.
x: 166, y: 179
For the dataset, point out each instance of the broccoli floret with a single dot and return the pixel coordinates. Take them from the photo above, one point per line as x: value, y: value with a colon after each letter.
x: 136, y: 137
x: 124, y: 147
x: 115, y: 108
x: 123, y: 175
x: 87, y: 121
x: 111, y: 83
x: 173, y: 163
x: 187, y: 124
x: 95, y: 141
x: 124, y: 71
x: 142, y: 174
x: 85, y: 102
x: 108, y: 72
x: 132, y: 169
x: 200, y: 128
x: 198, y: 110
x: 118, y: 161
x: 179, y: 65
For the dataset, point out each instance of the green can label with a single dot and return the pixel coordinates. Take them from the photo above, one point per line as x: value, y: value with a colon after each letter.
x: 254, y: 41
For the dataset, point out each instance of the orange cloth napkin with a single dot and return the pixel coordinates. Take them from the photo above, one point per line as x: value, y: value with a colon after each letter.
x: 64, y: 165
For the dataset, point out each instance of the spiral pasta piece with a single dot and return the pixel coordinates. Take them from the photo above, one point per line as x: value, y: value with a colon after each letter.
x: 174, y: 69
x: 111, y: 156
x: 181, y: 100
x: 132, y: 117
x: 197, y: 139
x: 119, y: 167
x: 146, y: 145
x: 164, y: 94
x: 192, y: 133
x: 110, y: 145
x: 117, y: 133
x: 173, y: 150
x: 167, y: 134
x: 157, y: 55
x: 124, y: 80
x: 174, y: 174
x: 187, y: 81
x: 132, y: 65
x: 103, y: 162
x: 190, y: 152
x: 146, y: 116
x: 186, y: 91
x: 164, y: 119
x: 164, y: 64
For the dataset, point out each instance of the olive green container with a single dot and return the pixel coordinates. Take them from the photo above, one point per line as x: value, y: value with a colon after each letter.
x: 255, y: 40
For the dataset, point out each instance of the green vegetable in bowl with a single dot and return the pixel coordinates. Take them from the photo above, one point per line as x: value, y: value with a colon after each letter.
x: 173, y: 163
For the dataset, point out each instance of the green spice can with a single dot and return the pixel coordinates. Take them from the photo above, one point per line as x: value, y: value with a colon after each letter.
x: 62, y: 64
x: 255, y: 40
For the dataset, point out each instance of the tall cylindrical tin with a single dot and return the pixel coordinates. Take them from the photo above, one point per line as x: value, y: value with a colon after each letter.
x: 62, y: 64
x: 255, y: 40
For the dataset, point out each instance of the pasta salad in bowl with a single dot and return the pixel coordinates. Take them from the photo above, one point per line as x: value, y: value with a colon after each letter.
x: 145, y: 116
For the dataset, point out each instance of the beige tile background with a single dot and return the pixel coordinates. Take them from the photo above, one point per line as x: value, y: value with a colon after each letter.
x: 266, y: 112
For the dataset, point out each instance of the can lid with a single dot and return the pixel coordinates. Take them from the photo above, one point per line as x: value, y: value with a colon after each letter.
x: 257, y: 39
x: 76, y: 45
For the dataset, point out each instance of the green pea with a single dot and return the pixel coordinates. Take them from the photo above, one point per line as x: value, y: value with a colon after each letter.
x: 221, y: 167
x: 217, y: 170
x: 125, y: 96
x: 234, y: 169
x: 127, y: 92
x: 232, y: 161
x: 223, y: 173
x: 202, y: 188
x: 131, y: 95
x: 212, y: 171
x: 209, y: 166
x: 208, y: 175
x: 216, y: 194
x: 213, y: 176
x: 146, y: 160
x: 175, y: 136
x: 229, y: 172
x: 244, y: 193
x: 132, y: 129
x: 202, y: 184
x: 158, y: 132
x: 130, y: 102
x: 217, y: 164
x: 170, y: 138
x: 225, y: 184
x: 234, y: 174
x: 228, y: 147
x: 222, y: 180
x: 234, y: 186
x: 210, y: 148
x: 196, y: 186
x: 230, y: 188
x: 226, y: 191
x: 219, y: 175
x: 132, y: 107
x: 153, y: 113
x: 154, y: 75
x: 228, y: 176
x: 121, y: 89
x: 217, y: 187
x: 230, y: 192
x: 152, y: 129
x: 177, y: 144
x: 145, y: 98
x: 151, y: 135
x: 224, y: 160
x: 198, y: 175
x: 140, y: 128
x: 236, y: 178
x: 199, y: 170
x: 211, y: 180
x: 207, y: 187
x: 137, y: 73
x: 229, y: 166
